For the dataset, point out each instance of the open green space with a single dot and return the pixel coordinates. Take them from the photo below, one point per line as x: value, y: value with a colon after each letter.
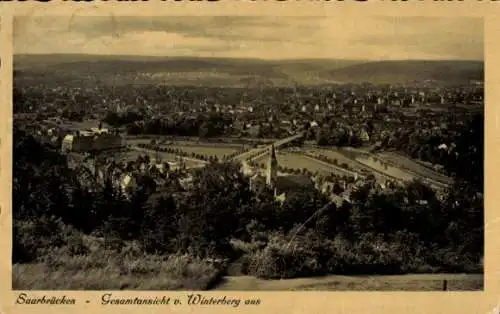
x: 386, y: 169
x: 133, y: 154
x: 90, y: 265
x: 415, y: 167
x: 207, y: 150
x: 341, y: 158
x: 295, y: 161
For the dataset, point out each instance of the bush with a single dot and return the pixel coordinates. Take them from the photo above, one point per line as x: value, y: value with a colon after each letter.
x: 449, y: 260
x: 33, y: 238
x: 284, y: 259
x: 375, y: 256
x: 309, y: 255
x: 86, y: 262
x: 75, y: 244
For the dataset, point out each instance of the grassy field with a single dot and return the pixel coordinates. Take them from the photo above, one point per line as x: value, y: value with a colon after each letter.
x: 102, y: 271
x: 218, y: 151
x: 354, y: 159
x: 417, y: 282
x: 295, y: 161
x: 180, y: 273
x: 127, y: 156
x: 208, y: 149
x: 335, y: 154
x: 87, y: 124
x: 231, y: 141
x: 133, y: 154
x: 137, y: 141
x: 415, y: 167
x: 92, y: 263
x: 388, y: 170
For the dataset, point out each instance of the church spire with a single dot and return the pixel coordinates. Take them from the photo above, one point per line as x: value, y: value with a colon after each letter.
x: 273, y: 155
x: 272, y: 169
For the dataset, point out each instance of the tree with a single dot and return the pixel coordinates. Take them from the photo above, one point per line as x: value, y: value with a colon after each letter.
x: 41, y: 179
x: 468, y: 158
x: 321, y: 137
x: 157, y: 229
x: 215, y: 209
x: 299, y: 207
x: 337, y: 189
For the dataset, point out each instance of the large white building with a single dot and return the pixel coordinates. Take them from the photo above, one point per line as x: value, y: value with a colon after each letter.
x: 96, y: 139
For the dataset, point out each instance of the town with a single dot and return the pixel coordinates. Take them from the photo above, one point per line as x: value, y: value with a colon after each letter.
x: 332, y: 137
x: 210, y: 154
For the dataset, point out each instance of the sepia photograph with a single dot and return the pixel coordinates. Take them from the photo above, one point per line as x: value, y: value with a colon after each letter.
x: 248, y: 153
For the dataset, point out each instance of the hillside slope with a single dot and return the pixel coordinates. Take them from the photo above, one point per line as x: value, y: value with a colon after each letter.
x: 408, y: 71
x: 245, y: 72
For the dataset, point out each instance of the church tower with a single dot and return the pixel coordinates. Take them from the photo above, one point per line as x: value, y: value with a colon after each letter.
x: 272, y: 170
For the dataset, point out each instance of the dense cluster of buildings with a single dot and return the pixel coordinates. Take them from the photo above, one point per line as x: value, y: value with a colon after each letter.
x: 371, y: 114
x: 252, y: 112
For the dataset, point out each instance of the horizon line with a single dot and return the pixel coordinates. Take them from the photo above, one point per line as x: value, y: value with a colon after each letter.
x: 241, y: 58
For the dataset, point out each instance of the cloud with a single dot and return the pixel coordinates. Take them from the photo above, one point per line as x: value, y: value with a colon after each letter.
x: 456, y: 38
x: 255, y: 37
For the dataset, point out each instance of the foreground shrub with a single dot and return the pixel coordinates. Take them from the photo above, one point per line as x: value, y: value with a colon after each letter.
x: 448, y: 260
x: 87, y: 262
x: 309, y: 255
x: 33, y: 238
x: 283, y: 258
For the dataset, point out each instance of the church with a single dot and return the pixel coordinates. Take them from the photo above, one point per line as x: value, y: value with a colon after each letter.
x: 282, y: 184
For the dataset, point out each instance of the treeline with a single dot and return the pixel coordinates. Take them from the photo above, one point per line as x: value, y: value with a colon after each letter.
x: 179, y: 152
x: 332, y: 135
x: 459, y: 148
x: 204, y: 126
x: 201, y: 125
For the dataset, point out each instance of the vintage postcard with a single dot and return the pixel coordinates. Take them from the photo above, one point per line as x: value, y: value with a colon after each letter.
x: 272, y: 156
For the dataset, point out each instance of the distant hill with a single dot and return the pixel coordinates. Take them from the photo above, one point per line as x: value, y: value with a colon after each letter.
x: 407, y: 71
x: 244, y: 72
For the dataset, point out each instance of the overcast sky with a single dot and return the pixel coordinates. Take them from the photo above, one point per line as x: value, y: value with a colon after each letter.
x: 377, y: 38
